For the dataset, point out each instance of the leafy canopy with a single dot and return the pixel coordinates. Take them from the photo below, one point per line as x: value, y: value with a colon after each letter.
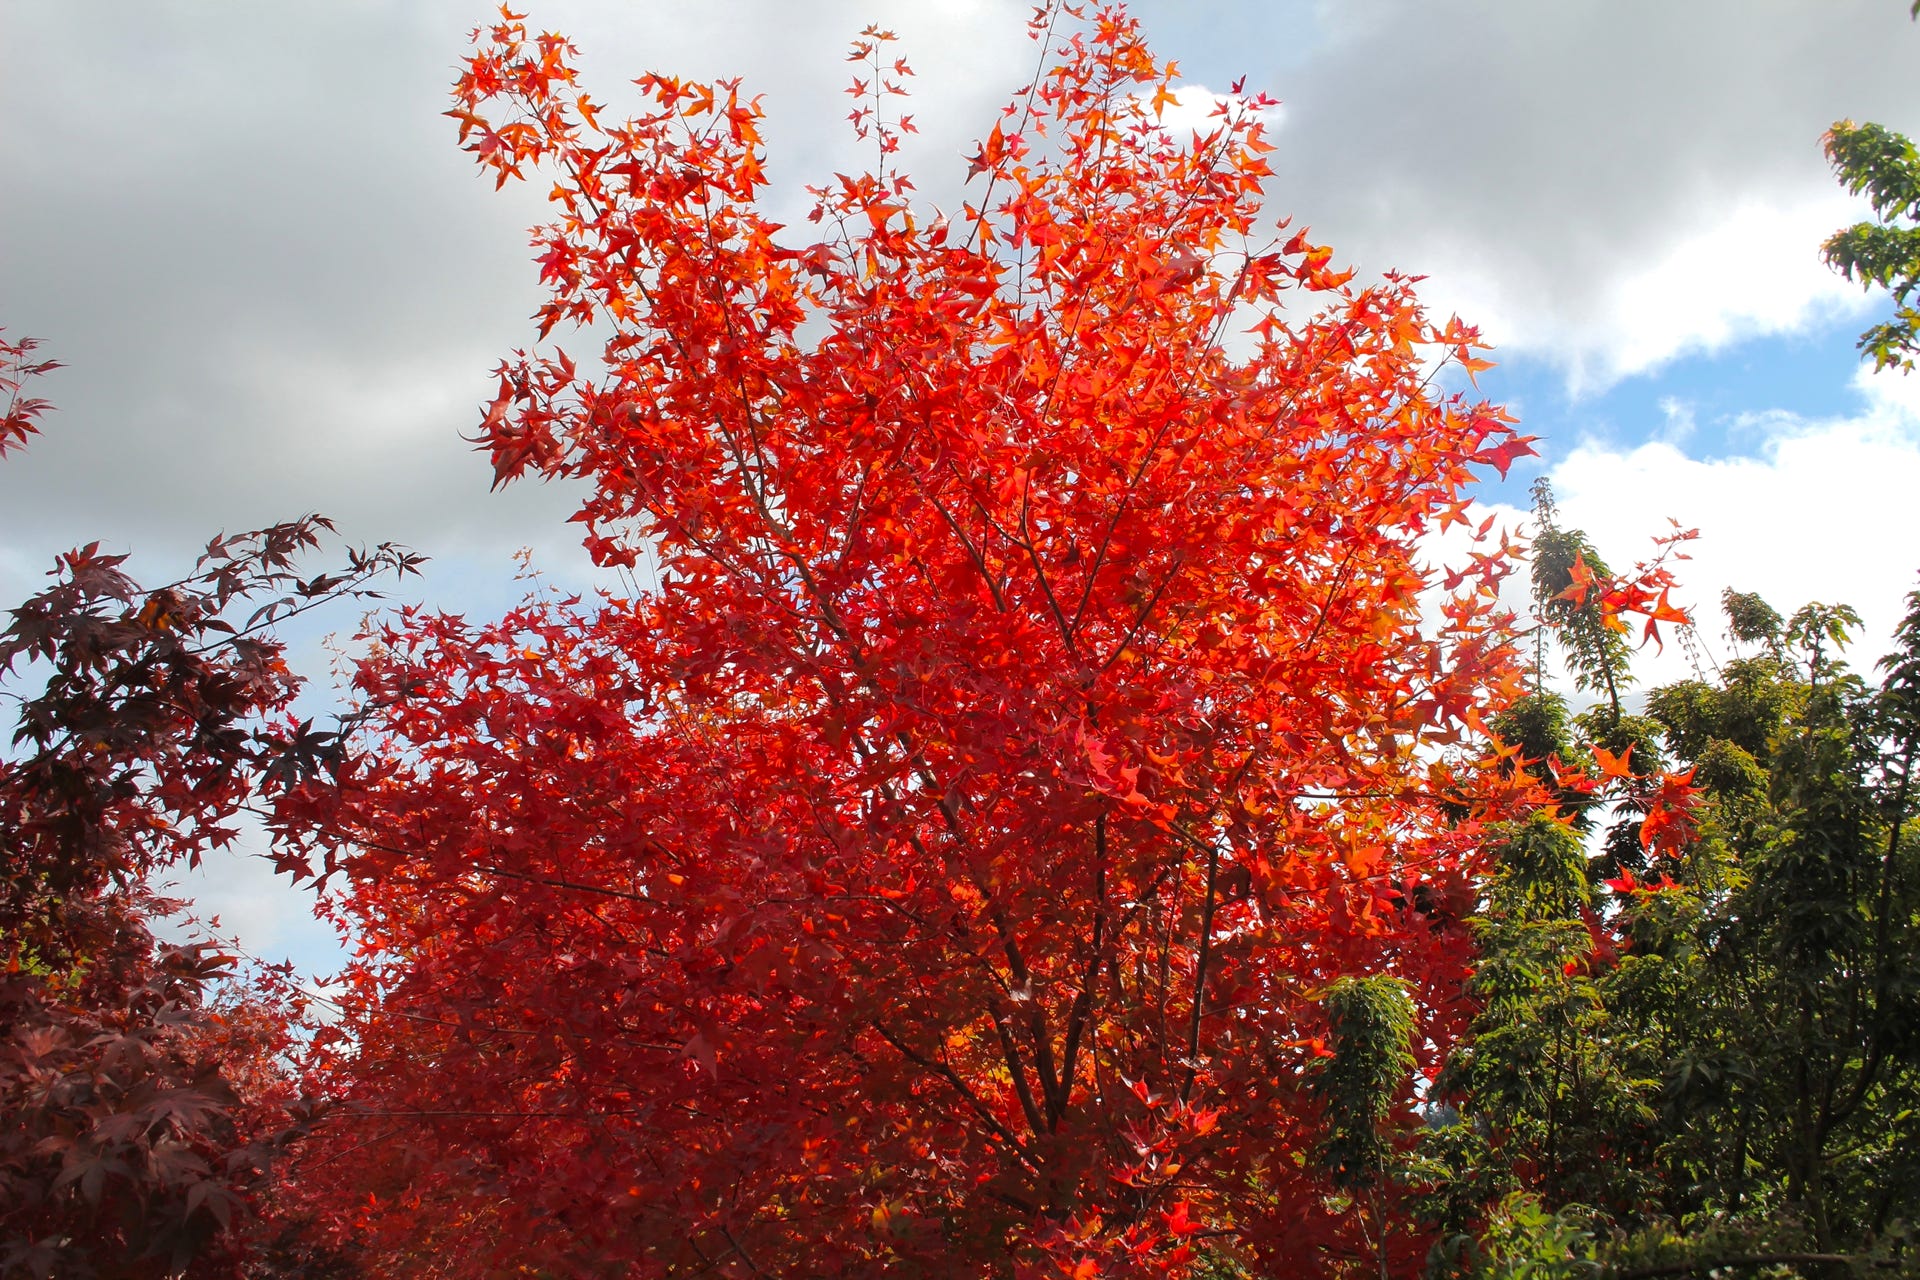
x: 1037, y: 704
x: 1880, y: 164
x: 1695, y: 1046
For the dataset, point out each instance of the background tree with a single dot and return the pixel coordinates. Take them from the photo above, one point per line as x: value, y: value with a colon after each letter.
x: 143, y: 1087
x: 1881, y: 164
x: 1875, y: 161
x: 945, y: 869
x: 1706, y: 1056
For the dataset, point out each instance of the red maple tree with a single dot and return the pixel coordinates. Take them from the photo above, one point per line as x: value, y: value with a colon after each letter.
x: 1038, y: 702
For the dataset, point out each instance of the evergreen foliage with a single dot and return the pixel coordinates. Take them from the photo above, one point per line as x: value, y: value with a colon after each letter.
x: 1707, y: 1058
x: 1876, y: 162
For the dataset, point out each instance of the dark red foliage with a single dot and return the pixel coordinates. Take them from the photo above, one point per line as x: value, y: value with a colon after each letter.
x: 143, y: 1091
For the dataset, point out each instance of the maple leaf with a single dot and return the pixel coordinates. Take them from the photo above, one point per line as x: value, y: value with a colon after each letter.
x: 1583, y: 582
x: 1612, y: 766
x: 1502, y: 456
x: 1669, y: 825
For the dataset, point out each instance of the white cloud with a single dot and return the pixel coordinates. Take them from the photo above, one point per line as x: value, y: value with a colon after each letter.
x: 1608, y: 185
x: 277, y: 283
x: 1196, y: 109
x: 1822, y: 510
x: 1755, y: 270
x: 1749, y: 270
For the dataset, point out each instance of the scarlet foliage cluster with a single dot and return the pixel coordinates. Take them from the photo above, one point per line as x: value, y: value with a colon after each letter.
x: 1648, y: 591
x: 1039, y: 700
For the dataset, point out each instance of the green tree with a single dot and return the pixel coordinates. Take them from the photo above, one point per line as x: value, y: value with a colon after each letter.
x: 1876, y: 162
x: 1710, y: 1053
x: 1596, y: 653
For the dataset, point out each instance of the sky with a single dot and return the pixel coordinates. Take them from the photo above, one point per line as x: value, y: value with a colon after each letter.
x: 279, y: 286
